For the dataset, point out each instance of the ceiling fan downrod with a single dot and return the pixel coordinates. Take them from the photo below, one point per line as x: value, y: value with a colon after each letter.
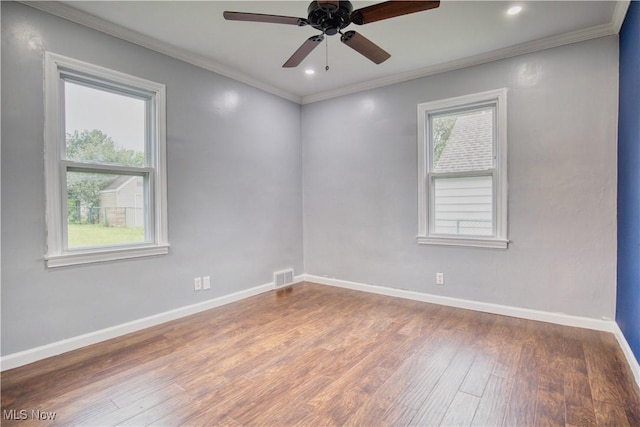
x: 331, y: 17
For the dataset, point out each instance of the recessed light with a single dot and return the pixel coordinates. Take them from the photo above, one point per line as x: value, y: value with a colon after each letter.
x: 309, y: 71
x: 514, y: 10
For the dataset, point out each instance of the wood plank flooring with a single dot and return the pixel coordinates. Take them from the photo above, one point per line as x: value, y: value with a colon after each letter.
x: 314, y: 355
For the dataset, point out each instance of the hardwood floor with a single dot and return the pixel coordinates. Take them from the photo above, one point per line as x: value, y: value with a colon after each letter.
x: 316, y: 355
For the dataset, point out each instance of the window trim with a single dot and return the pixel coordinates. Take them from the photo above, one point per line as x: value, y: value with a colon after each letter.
x: 498, y: 98
x: 56, y: 66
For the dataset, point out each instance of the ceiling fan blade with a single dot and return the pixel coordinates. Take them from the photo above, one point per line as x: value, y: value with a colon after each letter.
x: 365, y: 46
x: 390, y: 9
x: 259, y: 17
x: 303, y: 51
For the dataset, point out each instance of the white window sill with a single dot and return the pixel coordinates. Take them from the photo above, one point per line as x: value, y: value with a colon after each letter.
x: 470, y: 242
x: 88, y: 257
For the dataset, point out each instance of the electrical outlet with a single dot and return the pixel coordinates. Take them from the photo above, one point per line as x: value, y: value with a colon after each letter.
x: 197, y: 284
x: 439, y: 278
x: 206, y: 282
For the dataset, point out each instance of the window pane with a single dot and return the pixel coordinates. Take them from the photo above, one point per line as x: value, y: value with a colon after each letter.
x: 104, y: 209
x: 104, y: 127
x: 462, y: 141
x: 463, y: 206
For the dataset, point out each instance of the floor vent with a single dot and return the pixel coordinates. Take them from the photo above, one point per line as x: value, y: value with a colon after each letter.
x: 283, y: 278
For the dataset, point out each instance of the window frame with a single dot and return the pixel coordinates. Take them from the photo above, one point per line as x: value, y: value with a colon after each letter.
x: 59, y: 68
x: 426, y: 216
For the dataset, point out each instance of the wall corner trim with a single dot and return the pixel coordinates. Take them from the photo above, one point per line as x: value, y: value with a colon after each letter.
x: 25, y: 357
x: 628, y: 353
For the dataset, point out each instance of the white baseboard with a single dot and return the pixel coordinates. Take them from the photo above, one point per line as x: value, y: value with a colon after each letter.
x: 626, y: 349
x: 38, y: 353
x: 524, y: 313
x: 32, y: 355
x: 505, y: 310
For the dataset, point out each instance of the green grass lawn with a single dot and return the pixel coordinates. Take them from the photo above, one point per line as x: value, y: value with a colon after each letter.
x: 89, y: 235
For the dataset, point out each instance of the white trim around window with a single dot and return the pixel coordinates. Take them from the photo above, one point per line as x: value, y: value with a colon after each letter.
x: 496, y: 235
x: 59, y: 69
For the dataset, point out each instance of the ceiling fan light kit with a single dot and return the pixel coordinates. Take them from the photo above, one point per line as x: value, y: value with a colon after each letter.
x: 331, y: 17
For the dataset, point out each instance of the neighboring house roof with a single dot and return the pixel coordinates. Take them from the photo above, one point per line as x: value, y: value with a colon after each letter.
x: 470, y: 145
x: 118, y: 183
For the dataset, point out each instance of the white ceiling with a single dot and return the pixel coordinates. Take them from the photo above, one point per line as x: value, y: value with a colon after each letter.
x: 457, y: 34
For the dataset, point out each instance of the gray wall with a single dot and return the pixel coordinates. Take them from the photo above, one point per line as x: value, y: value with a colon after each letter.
x: 234, y: 176
x: 238, y: 177
x: 360, y: 185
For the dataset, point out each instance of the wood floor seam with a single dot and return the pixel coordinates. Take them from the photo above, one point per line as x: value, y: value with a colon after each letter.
x: 311, y: 355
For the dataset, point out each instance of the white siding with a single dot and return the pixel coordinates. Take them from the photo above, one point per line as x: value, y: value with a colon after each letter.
x: 107, y: 199
x: 123, y: 206
x: 127, y: 200
x: 463, y: 206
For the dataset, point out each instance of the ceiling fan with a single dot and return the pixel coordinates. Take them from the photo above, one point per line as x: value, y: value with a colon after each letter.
x: 331, y: 17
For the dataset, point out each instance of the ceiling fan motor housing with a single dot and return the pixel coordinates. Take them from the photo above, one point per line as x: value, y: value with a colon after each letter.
x: 331, y: 17
x: 328, y: 18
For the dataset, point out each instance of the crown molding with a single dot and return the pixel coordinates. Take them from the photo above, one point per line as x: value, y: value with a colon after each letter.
x: 619, y: 14
x: 79, y: 17
x: 91, y: 21
x: 597, y: 31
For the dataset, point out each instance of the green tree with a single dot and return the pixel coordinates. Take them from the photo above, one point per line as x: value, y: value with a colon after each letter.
x: 83, y: 189
x: 97, y: 147
x: 442, y: 127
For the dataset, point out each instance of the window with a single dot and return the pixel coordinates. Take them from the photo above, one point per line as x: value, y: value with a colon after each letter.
x: 105, y: 164
x: 462, y: 149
